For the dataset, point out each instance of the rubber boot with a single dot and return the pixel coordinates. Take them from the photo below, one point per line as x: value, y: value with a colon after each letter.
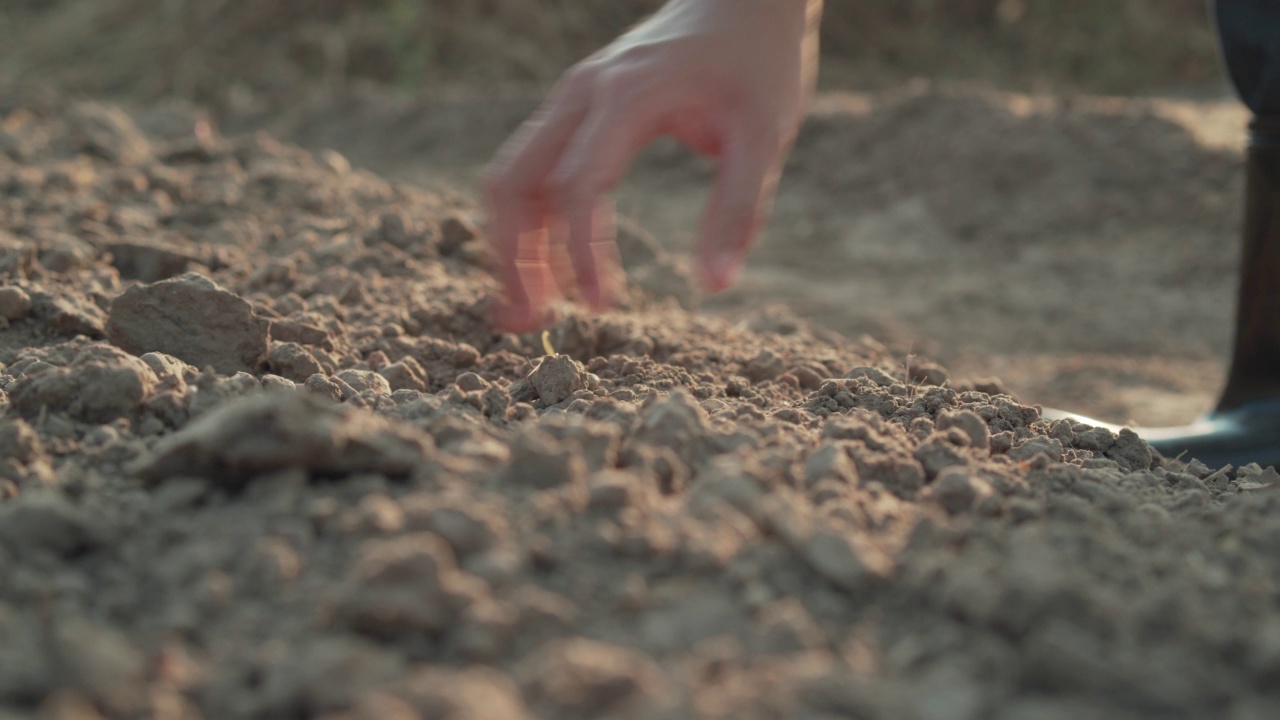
x: 1245, y: 425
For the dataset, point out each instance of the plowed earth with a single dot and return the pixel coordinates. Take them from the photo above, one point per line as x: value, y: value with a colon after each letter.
x: 261, y: 457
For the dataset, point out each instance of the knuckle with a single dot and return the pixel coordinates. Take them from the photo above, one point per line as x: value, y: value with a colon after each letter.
x: 620, y: 87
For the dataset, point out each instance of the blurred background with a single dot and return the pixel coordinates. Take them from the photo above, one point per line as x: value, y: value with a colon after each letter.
x: 211, y: 49
x: 1043, y: 191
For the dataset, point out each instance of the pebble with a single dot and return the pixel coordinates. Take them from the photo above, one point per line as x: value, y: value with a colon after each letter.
x: 365, y: 381
x: 192, y: 318
x: 293, y: 361
x: 266, y: 433
x: 577, y: 677
x: 835, y: 558
x: 556, y: 378
x: 957, y: 490
x: 46, y: 519
x: 405, y: 374
x: 15, y: 303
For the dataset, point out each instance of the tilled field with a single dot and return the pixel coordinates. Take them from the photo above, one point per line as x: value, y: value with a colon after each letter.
x: 261, y: 457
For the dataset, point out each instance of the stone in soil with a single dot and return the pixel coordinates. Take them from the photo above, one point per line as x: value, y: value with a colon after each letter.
x: 713, y: 521
x: 15, y: 303
x: 269, y: 432
x: 192, y: 318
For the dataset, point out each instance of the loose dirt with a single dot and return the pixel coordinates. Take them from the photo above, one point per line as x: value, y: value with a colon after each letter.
x: 261, y: 457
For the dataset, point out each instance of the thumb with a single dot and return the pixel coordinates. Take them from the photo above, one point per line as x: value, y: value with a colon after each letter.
x: 739, y: 204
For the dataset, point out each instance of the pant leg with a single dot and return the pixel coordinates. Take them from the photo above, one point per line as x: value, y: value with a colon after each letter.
x: 1249, y: 31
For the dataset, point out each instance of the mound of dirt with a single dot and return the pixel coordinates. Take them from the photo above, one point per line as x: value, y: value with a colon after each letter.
x: 387, y: 510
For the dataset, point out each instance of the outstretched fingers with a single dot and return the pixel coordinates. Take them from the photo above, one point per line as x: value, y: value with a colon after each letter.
x: 591, y: 167
x: 519, y: 214
x: 739, y: 204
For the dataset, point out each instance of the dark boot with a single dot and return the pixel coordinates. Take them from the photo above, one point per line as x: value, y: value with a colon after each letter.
x: 1245, y: 426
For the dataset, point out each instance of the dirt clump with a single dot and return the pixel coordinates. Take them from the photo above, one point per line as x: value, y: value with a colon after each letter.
x: 191, y: 318
x: 304, y: 478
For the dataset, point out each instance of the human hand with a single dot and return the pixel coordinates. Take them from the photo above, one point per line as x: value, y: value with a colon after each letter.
x: 729, y: 78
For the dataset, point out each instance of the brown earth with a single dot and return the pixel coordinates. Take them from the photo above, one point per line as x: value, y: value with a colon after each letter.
x: 260, y: 456
x: 388, y: 511
x: 1081, y: 248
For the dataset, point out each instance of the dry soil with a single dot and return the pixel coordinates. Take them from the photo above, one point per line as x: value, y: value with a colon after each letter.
x: 261, y: 457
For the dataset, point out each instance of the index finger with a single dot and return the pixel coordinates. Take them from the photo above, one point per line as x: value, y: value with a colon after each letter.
x: 516, y: 199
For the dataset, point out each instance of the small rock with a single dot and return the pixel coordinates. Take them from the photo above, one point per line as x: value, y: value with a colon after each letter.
x: 676, y: 422
x: 969, y: 422
x: 467, y: 530
x: 556, y: 378
x: 267, y: 433
x: 830, y: 461
x: 405, y: 374
x: 365, y: 380
x: 191, y: 318
x: 296, y: 331
x: 101, y: 384
x: 477, y: 693
x: 172, y: 372
x: 693, y: 620
x: 957, y: 490
x: 328, y: 674
x: 726, y: 481
x: 1036, y: 445
x: 275, y: 383
x: 293, y: 361
x: 456, y: 232
x: 764, y: 366
x: 19, y: 441
x: 786, y: 627
x: 345, y: 391
x: 46, y: 519
x: 15, y: 303
x: 321, y: 386
x: 937, y: 453
x: 928, y: 373
x: 540, y: 461
x: 69, y: 314
x: 808, y: 377
x: 401, y: 585
x: 874, y: 374
x: 376, y: 513
x: 107, y: 132
x: 393, y: 230
x: 470, y: 382
x: 1131, y: 451
x: 836, y: 558
x: 580, y: 678
x: 104, y: 663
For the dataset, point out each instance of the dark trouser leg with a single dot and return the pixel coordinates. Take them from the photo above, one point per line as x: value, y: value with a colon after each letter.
x: 1245, y: 427
x: 1250, y: 34
x: 1255, y: 360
